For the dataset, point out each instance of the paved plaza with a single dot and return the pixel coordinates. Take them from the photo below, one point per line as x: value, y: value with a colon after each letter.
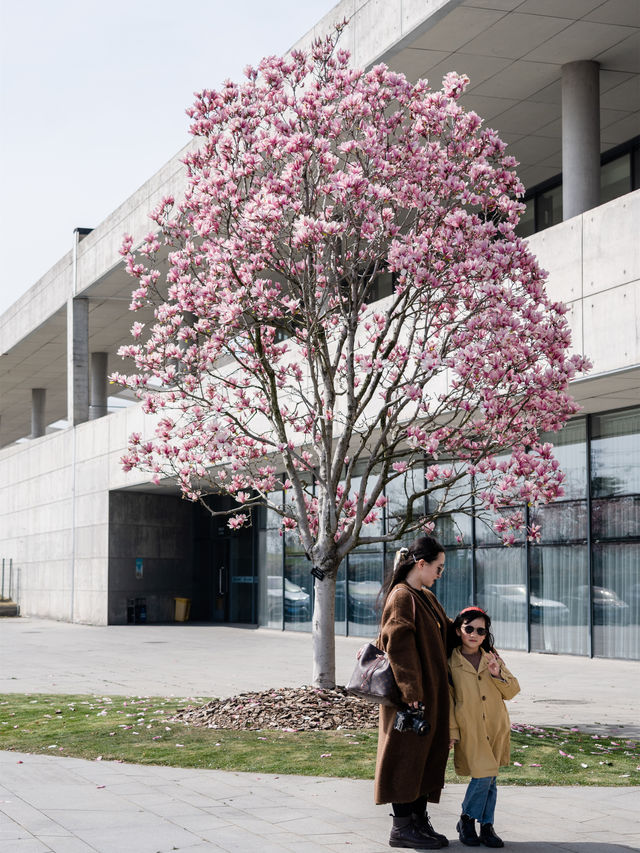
x: 69, y: 805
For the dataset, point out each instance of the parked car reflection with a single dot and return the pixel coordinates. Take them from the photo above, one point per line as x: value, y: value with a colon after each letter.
x: 297, y: 601
x: 633, y: 600
x: 508, y: 602
x: 362, y: 604
x: 608, y: 607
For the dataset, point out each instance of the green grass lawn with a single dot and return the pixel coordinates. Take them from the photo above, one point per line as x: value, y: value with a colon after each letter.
x: 139, y: 730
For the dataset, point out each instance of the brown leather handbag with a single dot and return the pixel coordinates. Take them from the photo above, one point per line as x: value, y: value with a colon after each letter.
x: 373, y: 679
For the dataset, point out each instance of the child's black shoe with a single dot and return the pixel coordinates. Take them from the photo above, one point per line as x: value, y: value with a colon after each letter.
x: 466, y: 827
x: 488, y: 836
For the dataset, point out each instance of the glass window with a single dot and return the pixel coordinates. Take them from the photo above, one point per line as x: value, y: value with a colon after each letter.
x: 502, y: 592
x: 454, y: 529
x: 616, y: 597
x: 270, y: 608
x: 397, y: 492
x: 486, y: 535
x: 558, y: 610
x: 454, y: 588
x: 569, y: 448
x: 527, y: 224
x: 616, y: 518
x: 615, y: 454
x: 381, y: 287
x: 455, y: 524
x: 341, y: 600
x: 615, y: 178
x: 365, y: 567
x: 374, y: 528
x: 298, y: 585
x: 562, y: 521
x: 549, y: 208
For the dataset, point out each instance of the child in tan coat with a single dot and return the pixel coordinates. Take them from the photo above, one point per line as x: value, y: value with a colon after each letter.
x: 479, y: 723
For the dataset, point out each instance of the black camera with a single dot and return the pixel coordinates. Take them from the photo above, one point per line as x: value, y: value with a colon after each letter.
x: 412, y: 720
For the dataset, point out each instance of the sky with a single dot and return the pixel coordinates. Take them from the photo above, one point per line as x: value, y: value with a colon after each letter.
x: 92, y: 103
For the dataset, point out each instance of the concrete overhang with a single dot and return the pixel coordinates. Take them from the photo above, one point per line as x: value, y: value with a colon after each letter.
x: 512, y: 50
x: 618, y: 389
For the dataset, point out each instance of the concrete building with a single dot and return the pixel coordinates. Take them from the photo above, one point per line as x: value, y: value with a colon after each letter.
x: 560, y: 81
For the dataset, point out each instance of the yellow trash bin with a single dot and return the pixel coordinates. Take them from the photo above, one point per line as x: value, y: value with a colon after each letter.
x: 182, y: 607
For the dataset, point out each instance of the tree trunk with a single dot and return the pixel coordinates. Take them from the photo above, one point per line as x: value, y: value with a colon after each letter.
x: 324, y: 632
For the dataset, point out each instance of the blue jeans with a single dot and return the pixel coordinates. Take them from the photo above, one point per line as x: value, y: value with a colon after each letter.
x: 480, y: 800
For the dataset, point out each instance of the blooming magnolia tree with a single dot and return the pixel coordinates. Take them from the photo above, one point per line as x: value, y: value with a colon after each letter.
x: 272, y: 366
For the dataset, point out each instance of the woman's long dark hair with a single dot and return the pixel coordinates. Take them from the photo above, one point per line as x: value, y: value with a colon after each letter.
x: 468, y: 615
x: 423, y: 548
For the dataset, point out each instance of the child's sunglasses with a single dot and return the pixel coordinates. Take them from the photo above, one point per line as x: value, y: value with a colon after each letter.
x: 469, y: 629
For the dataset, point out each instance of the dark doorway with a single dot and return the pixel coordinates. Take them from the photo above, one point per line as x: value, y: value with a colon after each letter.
x: 225, y: 576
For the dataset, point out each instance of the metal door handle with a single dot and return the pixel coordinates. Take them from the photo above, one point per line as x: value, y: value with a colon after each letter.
x: 221, y: 580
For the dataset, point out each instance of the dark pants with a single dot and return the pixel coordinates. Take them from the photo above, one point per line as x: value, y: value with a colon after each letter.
x: 418, y: 806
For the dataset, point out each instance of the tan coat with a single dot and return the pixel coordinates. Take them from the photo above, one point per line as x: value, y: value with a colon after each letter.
x: 413, y: 633
x: 478, y: 716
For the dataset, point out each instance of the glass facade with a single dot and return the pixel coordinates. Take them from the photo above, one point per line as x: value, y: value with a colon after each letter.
x: 576, y: 591
x: 270, y: 570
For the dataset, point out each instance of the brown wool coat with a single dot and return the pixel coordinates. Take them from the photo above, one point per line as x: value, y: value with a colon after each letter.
x: 408, y: 765
x: 479, y: 718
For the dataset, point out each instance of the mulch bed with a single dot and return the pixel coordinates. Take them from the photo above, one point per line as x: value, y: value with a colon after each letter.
x: 290, y: 709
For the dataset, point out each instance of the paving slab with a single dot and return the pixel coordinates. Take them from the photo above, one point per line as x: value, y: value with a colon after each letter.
x: 317, y: 814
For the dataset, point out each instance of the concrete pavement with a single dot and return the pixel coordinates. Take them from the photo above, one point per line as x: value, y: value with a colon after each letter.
x: 71, y: 806
x: 67, y: 805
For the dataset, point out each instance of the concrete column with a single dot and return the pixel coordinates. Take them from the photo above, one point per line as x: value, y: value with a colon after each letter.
x: 98, y: 407
x: 77, y: 361
x: 580, y: 137
x: 38, y: 423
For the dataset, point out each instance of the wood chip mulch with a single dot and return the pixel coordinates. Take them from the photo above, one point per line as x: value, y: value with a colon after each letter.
x: 290, y: 709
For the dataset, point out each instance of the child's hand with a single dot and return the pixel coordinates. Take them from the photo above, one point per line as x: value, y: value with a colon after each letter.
x: 452, y: 742
x: 493, y: 663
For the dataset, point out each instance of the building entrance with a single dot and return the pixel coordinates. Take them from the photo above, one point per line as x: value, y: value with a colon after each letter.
x: 162, y: 548
x: 225, y: 577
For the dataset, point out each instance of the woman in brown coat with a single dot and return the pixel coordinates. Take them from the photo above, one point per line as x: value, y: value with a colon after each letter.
x: 413, y: 632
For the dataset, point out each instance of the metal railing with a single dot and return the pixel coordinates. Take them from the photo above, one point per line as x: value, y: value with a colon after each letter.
x: 7, y: 589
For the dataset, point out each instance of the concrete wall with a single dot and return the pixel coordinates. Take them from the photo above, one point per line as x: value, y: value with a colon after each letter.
x: 593, y: 262
x: 54, y: 516
x: 54, y: 522
x: 54, y: 491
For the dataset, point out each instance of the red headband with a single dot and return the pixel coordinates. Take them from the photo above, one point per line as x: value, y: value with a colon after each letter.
x: 466, y: 609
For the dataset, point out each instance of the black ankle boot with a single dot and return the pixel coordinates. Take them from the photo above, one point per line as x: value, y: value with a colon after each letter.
x: 424, y: 825
x: 488, y: 836
x: 405, y: 833
x: 467, y: 831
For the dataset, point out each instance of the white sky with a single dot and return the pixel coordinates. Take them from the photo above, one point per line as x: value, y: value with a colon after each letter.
x: 92, y: 102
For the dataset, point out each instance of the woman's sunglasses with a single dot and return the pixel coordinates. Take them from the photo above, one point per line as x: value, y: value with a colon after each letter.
x: 469, y: 629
